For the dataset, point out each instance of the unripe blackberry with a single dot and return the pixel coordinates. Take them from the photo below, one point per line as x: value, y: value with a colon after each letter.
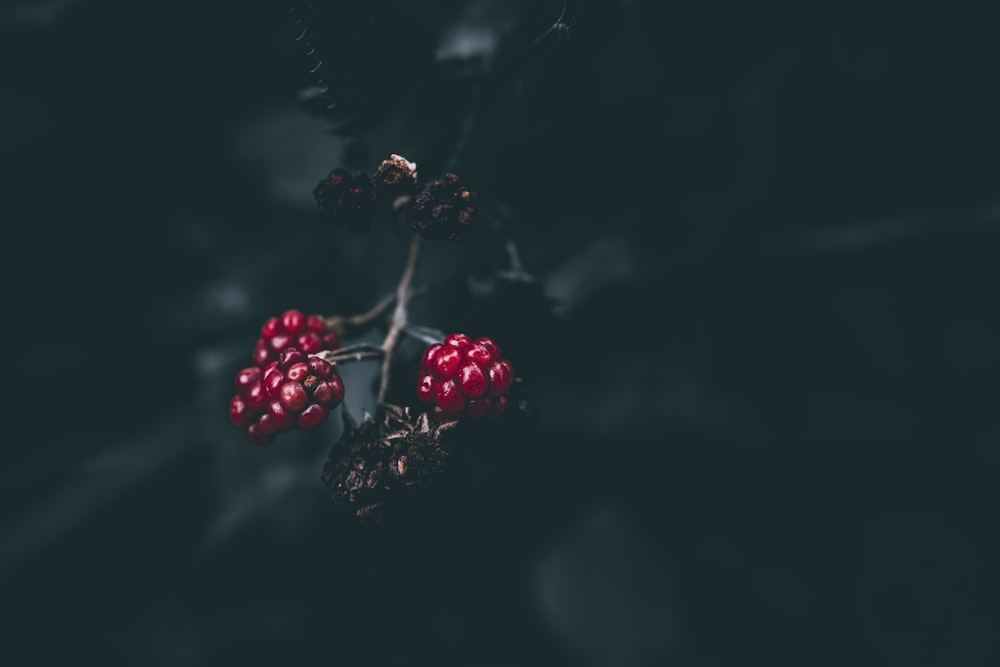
x: 292, y: 329
x: 443, y: 209
x: 462, y: 378
x: 249, y: 404
x: 295, y: 391
x: 347, y: 200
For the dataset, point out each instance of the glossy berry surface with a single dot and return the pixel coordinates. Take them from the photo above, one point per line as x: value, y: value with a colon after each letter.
x: 294, y: 391
x: 464, y: 378
x: 293, y: 329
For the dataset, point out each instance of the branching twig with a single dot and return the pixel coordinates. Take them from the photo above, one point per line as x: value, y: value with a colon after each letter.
x: 399, y: 316
x: 358, y: 352
x: 340, y: 324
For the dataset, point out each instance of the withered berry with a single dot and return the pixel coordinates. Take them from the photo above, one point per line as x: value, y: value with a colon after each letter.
x: 464, y: 378
x: 396, y: 176
x: 347, y: 200
x: 443, y: 209
x: 381, y: 468
x: 293, y: 330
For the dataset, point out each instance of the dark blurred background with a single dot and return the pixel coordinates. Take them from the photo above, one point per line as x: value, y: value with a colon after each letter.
x: 757, y: 302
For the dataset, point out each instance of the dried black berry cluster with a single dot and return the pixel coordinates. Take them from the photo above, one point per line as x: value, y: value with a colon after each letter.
x: 440, y: 209
x: 388, y: 468
x: 443, y: 209
x: 347, y: 200
x: 375, y: 465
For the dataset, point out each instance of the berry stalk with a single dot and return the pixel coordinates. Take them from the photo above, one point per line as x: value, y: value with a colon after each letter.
x: 399, y: 317
x: 342, y: 325
x: 358, y: 352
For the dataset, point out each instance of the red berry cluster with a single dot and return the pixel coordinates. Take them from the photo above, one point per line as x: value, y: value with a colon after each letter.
x: 465, y: 378
x: 296, y: 391
x: 293, y: 329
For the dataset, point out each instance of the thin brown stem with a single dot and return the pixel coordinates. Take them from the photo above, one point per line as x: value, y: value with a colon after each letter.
x: 342, y: 325
x: 399, y: 317
x: 358, y: 352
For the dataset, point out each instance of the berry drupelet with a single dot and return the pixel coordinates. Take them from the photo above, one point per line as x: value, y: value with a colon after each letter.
x: 297, y: 391
x: 443, y: 209
x: 292, y: 329
x: 465, y: 378
x: 347, y: 200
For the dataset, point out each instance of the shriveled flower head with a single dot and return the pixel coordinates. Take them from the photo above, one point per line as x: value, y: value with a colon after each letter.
x: 396, y: 175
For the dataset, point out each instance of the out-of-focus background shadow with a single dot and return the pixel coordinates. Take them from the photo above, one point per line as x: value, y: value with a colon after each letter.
x: 762, y: 324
